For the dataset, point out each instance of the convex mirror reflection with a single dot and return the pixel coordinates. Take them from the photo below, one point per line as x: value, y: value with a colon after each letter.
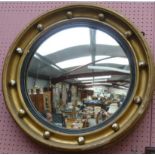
x: 78, y: 78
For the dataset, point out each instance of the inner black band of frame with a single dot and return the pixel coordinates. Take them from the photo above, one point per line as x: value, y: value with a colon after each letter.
x: 69, y: 24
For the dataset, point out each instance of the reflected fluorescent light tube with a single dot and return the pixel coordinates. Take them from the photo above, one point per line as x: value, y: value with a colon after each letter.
x: 95, y: 80
x: 93, y: 83
x: 109, y: 69
x: 104, y: 77
x: 86, y: 78
x: 55, y: 67
x: 110, y: 84
x: 123, y: 87
x: 97, y: 77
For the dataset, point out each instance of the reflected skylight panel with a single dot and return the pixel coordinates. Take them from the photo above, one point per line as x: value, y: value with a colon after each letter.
x: 77, y: 61
x: 116, y: 60
x: 87, y: 59
x: 100, y: 57
x: 74, y: 62
x: 65, y: 39
x: 104, y: 38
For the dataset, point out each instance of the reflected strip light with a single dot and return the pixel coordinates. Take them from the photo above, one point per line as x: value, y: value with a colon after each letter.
x: 122, y: 87
x: 110, y: 84
x: 54, y: 67
x: 98, y: 78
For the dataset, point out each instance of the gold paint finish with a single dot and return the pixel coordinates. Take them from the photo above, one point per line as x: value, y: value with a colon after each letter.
x: 21, y: 113
x: 115, y: 127
x: 46, y: 134
x: 128, y: 34
x: 69, y: 14
x: 104, y: 136
x: 81, y: 140
x: 19, y: 50
x: 40, y: 27
x: 142, y: 64
x: 101, y: 16
x: 12, y: 83
x: 138, y: 100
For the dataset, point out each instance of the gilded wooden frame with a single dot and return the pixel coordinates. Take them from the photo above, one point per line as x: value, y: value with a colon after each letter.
x: 107, y: 135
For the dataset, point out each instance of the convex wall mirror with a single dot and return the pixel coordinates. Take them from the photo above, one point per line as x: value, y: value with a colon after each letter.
x: 78, y: 77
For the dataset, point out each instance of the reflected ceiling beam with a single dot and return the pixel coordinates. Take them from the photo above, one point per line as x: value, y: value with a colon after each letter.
x: 125, y: 83
x: 126, y: 67
x: 108, y: 81
x: 117, y: 85
x: 49, y: 63
x: 108, y: 68
x: 92, y: 44
x: 84, y: 50
x: 120, y: 87
x: 89, y: 74
x: 80, y: 67
x: 39, y: 76
x: 88, y: 86
x: 106, y: 84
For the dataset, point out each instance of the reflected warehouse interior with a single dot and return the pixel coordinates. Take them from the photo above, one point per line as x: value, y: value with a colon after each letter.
x: 78, y: 77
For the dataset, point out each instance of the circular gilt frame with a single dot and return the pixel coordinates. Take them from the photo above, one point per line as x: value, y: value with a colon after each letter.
x: 139, y: 99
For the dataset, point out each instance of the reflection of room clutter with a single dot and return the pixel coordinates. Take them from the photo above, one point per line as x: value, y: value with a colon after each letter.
x: 113, y: 108
x: 71, y: 107
x: 41, y: 99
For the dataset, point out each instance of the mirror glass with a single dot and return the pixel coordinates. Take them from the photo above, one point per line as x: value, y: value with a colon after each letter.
x: 78, y: 78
